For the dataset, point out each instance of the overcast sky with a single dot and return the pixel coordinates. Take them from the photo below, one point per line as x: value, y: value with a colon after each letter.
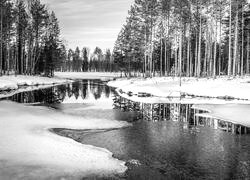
x: 90, y: 23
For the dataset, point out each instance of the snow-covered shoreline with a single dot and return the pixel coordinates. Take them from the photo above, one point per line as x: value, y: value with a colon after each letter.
x: 11, y: 85
x: 168, y: 87
x: 13, y: 82
x: 27, y: 142
x: 233, y: 113
x: 87, y: 75
x: 223, y: 98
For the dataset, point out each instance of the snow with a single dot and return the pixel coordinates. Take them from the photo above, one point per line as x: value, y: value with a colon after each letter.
x: 21, y: 89
x: 234, y: 113
x: 13, y: 82
x: 25, y: 141
x: 20, y: 83
x: 179, y: 100
x: 87, y: 75
x: 168, y: 87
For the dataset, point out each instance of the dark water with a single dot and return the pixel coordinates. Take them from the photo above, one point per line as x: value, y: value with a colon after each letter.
x: 166, y: 141
x: 58, y: 94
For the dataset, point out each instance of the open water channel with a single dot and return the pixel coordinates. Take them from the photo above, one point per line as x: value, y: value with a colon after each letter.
x: 165, y: 141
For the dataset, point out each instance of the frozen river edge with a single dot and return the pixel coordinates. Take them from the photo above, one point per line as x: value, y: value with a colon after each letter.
x: 169, y: 87
x: 27, y: 142
x: 223, y: 98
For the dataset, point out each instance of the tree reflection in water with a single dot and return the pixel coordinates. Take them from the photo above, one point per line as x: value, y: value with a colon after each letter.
x: 76, y: 91
x: 176, y: 112
x: 80, y: 91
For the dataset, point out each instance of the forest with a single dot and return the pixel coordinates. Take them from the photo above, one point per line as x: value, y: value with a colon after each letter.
x: 205, y: 38
x: 201, y: 38
x: 30, y: 41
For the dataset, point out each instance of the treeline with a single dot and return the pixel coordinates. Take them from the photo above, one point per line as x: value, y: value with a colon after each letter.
x: 29, y: 38
x: 185, y: 37
x: 83, y: 61
x: 30, y: 43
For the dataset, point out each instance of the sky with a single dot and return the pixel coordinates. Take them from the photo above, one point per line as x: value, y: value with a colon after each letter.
x: 90, y: 23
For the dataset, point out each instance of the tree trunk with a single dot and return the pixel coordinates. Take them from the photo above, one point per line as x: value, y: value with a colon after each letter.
x: 188, y: 54
x: 196, y: 54
x: 219, y: 71
x: 199, y: 52
x: 205, y: 59
x: 161, y: 57
x: 176, y: 62
x: 180, y: 57
x: 215, y: 51
x: 1, y: 37
x: 210, y: 55
x: 235, y: 44
x: 242, y: 45
x: 248, y: 39
x: 165, y: 57
x: 145, y: 55
x: 230, y: 40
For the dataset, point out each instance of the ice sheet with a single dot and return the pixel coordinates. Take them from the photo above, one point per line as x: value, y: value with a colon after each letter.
x: 169, y: 87
x: 234, y: 113
x: 26, y: 142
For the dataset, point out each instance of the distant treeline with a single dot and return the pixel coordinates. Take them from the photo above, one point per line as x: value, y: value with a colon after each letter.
x: 185, y: 37
x: 97, y: 61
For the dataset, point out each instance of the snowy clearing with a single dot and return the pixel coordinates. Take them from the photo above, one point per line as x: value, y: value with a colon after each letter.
x: 13, y: 82
x: 87, y: 75
x: 168, y: 87
x: 25, y: 141
x: 234, y: 113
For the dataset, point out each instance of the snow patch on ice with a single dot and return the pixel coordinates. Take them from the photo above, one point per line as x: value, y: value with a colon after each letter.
x: 168, y: 87
x: 234, y: 113
x: 176, y: 100
x: 26, y: 141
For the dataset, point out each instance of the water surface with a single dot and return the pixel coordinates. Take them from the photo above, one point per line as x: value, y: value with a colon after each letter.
x: 166, y: 141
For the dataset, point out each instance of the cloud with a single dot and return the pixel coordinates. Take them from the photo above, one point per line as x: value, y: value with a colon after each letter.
x: 90, y: 22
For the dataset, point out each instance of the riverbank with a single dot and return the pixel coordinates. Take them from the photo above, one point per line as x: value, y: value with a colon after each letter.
x: 13, y: 82
x: 25, y: 141
x: 223, y: 98
x: 104, y: 76
x: 167, y: 87
x: 11, y: 85
x: 233, y: 113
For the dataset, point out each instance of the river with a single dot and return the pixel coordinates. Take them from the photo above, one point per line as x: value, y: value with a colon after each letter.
x: 166, y: 141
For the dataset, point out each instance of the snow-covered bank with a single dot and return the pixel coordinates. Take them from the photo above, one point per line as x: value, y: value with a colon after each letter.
x: 26, y: 142
x: 13, y: 82
x: 169, y: 87
x: 179, y: 100
x: 87, y: 75
x: 234, y: 113
x: 9, y: 93
x: 11, y: 85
